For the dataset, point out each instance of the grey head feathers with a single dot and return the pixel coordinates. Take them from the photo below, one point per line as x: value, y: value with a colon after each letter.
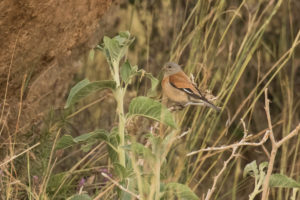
x: 171, y: 68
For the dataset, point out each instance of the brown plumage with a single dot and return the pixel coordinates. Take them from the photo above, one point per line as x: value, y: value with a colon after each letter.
x: 179, y: 88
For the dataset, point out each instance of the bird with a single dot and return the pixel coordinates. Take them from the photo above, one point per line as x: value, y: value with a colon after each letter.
x: 178, y: 87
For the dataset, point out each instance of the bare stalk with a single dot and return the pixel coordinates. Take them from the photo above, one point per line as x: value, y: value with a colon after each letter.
x: 119, y: 96
x: 234, y: 148
x: 213, y: 188
x: 275, y: 146
x: 122, y: 121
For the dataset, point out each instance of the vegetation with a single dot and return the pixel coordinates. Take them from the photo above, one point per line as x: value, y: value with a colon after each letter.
x: 116, y: 140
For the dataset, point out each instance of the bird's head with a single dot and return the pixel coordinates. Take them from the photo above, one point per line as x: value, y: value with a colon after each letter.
x: 171, y: 68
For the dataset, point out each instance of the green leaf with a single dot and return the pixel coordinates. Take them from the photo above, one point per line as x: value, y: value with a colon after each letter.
x: 113, y: 49
x: 124, y: 39
x: 146, y: 107
x: 85, y: 87
x: 126, y: 72
x: 180, y: 191
x: 262, y: 166
x: 116, y: 48
x: 88, y: 146
x: 120, y: 171
x: 80, y: 197
x: 67, y: 140
x: 114, y: 140
x: 282, y: 181
x: 97, y: 134
x: 124, y: 34
x: 251, y: 168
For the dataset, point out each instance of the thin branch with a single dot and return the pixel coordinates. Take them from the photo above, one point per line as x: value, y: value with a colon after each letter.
x: 183, y: 134
x: 213, y: 188
x: 273, y: 152
x: 266, y: 151
x: 275, y: 146
x: 289, y: 136
x: 234, y: 148
x: 267, y: 108
x: 120, y: 186
x: 241, y: 143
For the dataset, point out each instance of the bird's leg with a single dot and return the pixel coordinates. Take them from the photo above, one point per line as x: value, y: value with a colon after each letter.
x: 194, y: 104
x: 203, y: 104
x: 176, y: 107
x: 180, y: 106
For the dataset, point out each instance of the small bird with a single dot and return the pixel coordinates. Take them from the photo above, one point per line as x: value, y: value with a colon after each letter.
x: 178, y: 87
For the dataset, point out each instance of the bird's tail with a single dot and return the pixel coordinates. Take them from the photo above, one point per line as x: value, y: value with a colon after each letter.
x: 204, y: 101
x: 211, y: 105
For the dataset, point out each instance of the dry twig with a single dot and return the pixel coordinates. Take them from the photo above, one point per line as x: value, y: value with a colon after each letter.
x: 243, y: 142
x: 234, y: 148
x: 275, y: 146
x: 216, y: 178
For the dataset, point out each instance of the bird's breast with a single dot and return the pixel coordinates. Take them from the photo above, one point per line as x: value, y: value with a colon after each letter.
x: 172, y: 93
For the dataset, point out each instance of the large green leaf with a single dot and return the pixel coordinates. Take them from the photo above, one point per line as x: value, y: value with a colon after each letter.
x: 146, y: 107
x: 115, y: 48
x: 85, y: 87
x: 180, y: 191
x: 68, y: 141
x: 280, y: 180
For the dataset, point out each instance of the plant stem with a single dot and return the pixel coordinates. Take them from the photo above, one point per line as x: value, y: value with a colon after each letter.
x: 157, y: 180
x: 122, y: 121
x: 119, y: 96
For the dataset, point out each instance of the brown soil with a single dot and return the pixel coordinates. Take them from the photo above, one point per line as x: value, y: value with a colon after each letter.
x: 41, y: 43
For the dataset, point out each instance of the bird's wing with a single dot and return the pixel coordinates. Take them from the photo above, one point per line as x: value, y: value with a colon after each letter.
x: 182, y: 82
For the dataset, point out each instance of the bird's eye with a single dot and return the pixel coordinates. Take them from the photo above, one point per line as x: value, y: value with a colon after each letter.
x: 169, y: 67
